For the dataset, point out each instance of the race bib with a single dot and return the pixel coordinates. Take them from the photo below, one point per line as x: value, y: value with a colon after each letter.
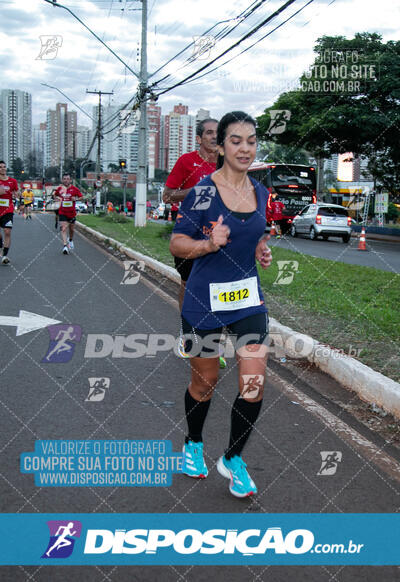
x: 67, y: 203
x: 234, y: 295
x: 4, y: 202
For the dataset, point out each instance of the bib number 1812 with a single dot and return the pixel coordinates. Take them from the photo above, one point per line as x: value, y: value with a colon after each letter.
x: 230, y: 296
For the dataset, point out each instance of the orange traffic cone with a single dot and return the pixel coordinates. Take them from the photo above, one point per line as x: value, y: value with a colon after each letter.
x: 273, y: 229
x: 169, y: 217
x: 361, y: 243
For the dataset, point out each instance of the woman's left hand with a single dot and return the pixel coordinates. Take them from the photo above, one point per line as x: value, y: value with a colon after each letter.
x: 263, y: 253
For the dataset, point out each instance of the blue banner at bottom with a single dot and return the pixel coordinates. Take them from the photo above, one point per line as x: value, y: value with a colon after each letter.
x: 200, y: 539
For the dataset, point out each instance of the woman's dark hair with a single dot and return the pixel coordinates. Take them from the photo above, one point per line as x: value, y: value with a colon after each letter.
x: 228, y: 119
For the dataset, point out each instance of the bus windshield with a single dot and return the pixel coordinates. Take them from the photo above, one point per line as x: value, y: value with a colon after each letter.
x: 283, y: 175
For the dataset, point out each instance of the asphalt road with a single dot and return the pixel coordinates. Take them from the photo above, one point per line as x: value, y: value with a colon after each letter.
x: 382, y: 255
x: 144, y: 400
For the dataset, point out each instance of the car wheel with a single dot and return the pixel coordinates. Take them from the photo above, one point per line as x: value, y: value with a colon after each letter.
x: 293, y: 231
x: 346, y: 238
x: 313, y: 234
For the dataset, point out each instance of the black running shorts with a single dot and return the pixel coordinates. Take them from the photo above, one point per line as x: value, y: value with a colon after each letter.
x: 204, y: 343
x: 6, y: 221
x: 63, y: 218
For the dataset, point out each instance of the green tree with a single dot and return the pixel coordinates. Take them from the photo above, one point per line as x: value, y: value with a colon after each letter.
x: 282, y: 154
x: 52, y: 172
x: 17, y: 168
x: 393, y: 212
x: 363, y: 121
x: 160, y: 175
x: 33, y: 168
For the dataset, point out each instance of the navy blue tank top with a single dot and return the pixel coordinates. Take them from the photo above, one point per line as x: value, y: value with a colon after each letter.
x: 233, y: 263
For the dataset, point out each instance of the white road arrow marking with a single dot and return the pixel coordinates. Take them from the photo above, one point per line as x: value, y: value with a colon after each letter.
x: 27, y: 321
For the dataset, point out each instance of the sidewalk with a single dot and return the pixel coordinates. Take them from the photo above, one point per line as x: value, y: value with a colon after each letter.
x: 378, y: 233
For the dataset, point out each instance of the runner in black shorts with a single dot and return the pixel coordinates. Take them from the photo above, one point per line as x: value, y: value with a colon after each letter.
x: 8, y: 192
x: 222, y: 227
x: 186, y: 173
x: 67, y: 194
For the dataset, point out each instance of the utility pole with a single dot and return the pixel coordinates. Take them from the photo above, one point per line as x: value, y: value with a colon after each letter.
x: 141, y: 177
x: 125, y: 178
x: 320, y: 177
x: 98, y: 131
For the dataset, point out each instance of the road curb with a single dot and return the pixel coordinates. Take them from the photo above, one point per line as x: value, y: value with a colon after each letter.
x: 371, y: 386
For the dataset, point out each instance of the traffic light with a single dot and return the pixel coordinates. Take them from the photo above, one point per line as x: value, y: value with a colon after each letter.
x: 122, y: 164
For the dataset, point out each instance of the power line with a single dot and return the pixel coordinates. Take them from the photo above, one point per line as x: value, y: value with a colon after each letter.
x: 56, y: 4
x: 229, y: 49
x: 256, y: 42
x: 69, y: 99
x: 203, y: 34
x: 221, y: 35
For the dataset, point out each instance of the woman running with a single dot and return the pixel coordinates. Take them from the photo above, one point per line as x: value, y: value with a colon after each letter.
x: 221, y: 225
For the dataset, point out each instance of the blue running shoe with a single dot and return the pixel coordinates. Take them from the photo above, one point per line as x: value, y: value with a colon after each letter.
x: 241, y: 485
x: 193, y: 460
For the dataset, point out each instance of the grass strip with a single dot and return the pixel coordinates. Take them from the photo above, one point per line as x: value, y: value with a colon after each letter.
x: 350, y: 307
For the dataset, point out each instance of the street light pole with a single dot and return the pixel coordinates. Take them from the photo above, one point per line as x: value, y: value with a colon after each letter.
x: 141, y: 178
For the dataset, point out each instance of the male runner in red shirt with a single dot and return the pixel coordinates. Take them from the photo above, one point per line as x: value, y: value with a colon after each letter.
x: 277, y: 213
x: 188, y: 171
x: 8, y: 192
x: 67, y: 194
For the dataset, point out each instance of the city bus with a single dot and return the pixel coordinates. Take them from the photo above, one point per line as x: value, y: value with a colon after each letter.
x: 295, y: 185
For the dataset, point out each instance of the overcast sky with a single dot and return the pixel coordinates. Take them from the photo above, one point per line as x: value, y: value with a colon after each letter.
x: 250, y: 82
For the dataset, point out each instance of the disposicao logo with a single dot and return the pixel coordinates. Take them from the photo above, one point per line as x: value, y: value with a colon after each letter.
x: 191, y: 541
x: 61, y: 542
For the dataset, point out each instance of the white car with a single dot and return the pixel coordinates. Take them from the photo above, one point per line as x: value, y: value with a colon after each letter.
x: 81, y: 206
x: 323, y: 220
x: 159, y: 211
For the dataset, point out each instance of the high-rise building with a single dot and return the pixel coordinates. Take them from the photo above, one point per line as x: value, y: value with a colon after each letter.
x: 129, y: 140
x: 202, y: 114
x: 39, y: 147
x: 361, y: 171
x: 331, y: 167
x: 15, y: 125
x: 62, y: 131
x: 179, y: 134
x: 181, y: 109
x: 84, y: 138
x: 154, y: 124
x: 110, y: 146
x: 164, y: 142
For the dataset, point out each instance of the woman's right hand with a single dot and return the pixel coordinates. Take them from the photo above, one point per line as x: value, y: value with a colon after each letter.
x: 219, y: 235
